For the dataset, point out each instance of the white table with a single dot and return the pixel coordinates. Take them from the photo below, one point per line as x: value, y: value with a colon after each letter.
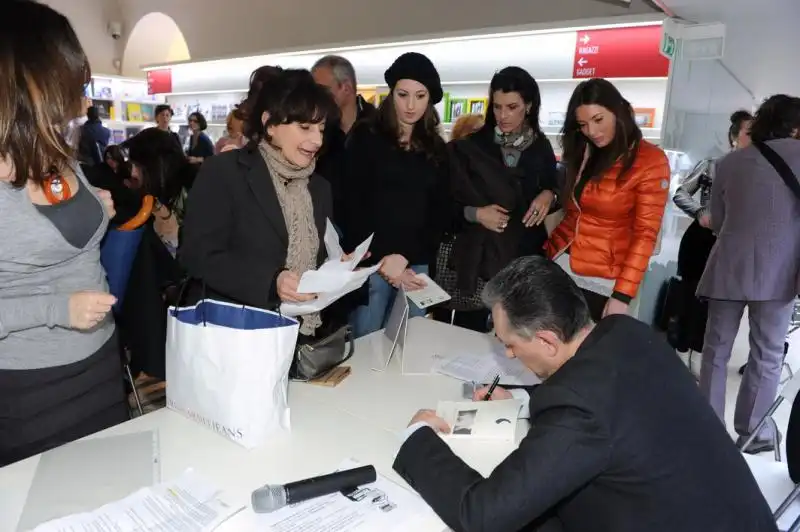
x: 359, y: 419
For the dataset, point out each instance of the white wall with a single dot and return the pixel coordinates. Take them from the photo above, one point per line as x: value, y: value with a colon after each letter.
x: 239, y: 27
x: 760, y: 43
x: 90, y: 19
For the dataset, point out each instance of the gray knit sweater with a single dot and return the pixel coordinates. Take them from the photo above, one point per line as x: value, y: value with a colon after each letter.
x: 39, y: 270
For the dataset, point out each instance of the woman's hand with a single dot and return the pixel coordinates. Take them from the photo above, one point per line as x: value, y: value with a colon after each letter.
x: 107, y: 201
x: 347, y: 257
x: 615, y: 306
x: 493, y: 217
x: 393, y: 267
x: 195, y: 160
x: 539, y: 208
x: 87, y: 309
x: 287, y: 288
x: 705, y: 220
x: 410, y: 282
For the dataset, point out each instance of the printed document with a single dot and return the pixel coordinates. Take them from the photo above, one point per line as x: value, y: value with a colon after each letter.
x: 432, y: 294
x: 334, y: 279
x: 482, y: 368
x: 381, y: 506
x: 188, y: 504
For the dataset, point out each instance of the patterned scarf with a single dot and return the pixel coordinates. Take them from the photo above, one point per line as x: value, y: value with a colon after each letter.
x: 513, y: 144
x: 291, y: 186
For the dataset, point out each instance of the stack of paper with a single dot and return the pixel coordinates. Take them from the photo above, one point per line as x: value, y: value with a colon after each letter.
x: 189, y: 504
x: 381, y: 506
x: 484, y: 367
x: 333, y: 279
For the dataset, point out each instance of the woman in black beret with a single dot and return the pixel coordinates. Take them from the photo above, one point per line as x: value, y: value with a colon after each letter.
x: 396, y: 183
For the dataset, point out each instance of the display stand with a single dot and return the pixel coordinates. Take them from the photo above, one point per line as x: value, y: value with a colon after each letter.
x: 123, y: 104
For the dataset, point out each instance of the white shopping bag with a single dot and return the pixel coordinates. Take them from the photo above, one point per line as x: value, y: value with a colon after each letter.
x: 228, y: 368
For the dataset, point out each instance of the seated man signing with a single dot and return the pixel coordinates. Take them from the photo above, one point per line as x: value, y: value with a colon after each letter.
x: 621, y: 438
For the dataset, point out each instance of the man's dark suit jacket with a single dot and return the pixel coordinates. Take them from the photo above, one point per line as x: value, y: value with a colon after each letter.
x: 331, y: 162
x: 621, y: 441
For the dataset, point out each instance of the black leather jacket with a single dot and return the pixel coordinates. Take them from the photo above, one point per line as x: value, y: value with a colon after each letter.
x: 699, y: 179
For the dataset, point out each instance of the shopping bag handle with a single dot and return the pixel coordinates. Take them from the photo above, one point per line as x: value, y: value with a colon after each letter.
x: 184, y: 285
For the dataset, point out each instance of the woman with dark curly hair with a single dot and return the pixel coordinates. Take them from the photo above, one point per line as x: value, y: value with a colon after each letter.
x: 256, y: 217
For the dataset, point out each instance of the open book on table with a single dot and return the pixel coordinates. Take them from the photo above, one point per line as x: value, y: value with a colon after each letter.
x: 484, y: 420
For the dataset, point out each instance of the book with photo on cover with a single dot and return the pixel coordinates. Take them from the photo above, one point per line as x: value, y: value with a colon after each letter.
x: 483, y: 420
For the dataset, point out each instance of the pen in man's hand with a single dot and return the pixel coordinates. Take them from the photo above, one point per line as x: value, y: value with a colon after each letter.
x: 489, y: 393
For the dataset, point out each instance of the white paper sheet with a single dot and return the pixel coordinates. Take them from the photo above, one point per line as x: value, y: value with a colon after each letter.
x: 483, y: 420
x: 381, y: 506
x: 482, y: 368
x: 334, y: 279
x: 432, y: 294
x: 188, y: 504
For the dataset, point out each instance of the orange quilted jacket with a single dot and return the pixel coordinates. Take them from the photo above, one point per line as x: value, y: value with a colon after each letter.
x: 613, y: 232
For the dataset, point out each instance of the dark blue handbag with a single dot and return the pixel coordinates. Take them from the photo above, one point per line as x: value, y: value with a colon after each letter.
x: 117, y: 253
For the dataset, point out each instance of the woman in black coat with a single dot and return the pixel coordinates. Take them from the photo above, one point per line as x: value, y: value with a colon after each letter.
x: 256, y: 217
x: 396, y: 185
x: 504, y: 178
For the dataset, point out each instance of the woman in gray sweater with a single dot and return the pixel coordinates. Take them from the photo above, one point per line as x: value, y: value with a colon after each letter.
x: 60, y: 370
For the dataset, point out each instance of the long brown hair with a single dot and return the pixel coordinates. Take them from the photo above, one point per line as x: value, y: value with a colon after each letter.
x: 627, y: 136
x: 43, y: 73
x: 425, y: 137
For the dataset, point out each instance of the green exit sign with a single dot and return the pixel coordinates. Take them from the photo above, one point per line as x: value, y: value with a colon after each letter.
x: 668, y: 46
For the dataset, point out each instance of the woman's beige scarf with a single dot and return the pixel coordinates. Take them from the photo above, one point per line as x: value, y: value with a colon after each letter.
x: 291, y: 186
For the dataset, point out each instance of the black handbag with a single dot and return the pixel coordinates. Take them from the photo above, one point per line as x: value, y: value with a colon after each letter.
x: 447, y: 278
x: 315, y: 356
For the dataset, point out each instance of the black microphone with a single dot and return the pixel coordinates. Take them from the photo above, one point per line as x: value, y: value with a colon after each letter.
x: 270, y: 498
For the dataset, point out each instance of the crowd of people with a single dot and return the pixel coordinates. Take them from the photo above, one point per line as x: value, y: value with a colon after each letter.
x: 243, y: 220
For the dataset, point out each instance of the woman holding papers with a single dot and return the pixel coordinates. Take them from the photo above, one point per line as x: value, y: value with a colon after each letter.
x: 256, y: 217
x: 396, y: 184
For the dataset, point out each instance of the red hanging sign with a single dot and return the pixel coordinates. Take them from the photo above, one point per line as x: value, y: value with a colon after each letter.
x: 632, y: 52
x: 159, y: 81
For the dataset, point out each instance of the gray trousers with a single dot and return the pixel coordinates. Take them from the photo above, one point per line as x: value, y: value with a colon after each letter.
x: 769, y: 322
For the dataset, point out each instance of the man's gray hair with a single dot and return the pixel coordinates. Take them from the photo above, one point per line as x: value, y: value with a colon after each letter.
x: 342, y: 69
x: 537, y: 295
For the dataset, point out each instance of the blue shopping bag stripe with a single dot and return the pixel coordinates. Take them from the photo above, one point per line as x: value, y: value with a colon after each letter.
x: 241, y: 318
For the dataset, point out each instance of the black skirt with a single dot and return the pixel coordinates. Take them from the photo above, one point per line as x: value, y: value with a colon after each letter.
x: 693, y: 253
x: 44, y: 408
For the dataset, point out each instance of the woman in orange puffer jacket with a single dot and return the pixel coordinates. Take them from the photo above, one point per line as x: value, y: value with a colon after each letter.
x: 617, y: 188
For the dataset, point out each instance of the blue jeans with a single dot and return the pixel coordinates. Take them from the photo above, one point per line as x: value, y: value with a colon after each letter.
x: 372, y: 317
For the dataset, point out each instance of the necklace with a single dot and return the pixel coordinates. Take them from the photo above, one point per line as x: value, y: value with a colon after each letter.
x: 56, y: 188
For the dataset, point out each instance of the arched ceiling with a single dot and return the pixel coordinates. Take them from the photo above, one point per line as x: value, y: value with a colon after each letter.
x: 155, y: 38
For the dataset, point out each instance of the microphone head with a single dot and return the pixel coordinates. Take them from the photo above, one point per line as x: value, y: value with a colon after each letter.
x: 268, y: 499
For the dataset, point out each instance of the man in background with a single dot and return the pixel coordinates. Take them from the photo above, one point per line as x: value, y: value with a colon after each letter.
x: 338, y: 74
x: 621, y: 438
x: 164, y: 115
x: 94, y: 137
